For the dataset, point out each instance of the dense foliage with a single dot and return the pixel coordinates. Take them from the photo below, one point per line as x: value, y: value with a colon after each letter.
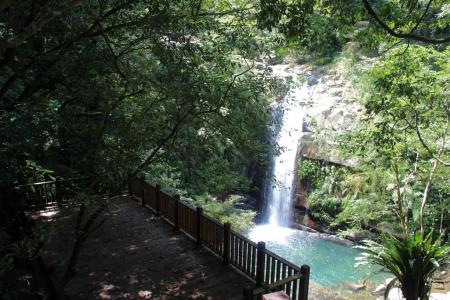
x: 180, y: 90
x: 405, y: 139
x: 346, y: 199
x: 111, y: 87
x: 108, y: 88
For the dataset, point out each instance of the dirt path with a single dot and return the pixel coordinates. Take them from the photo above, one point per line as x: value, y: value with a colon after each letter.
x: 136, y: 255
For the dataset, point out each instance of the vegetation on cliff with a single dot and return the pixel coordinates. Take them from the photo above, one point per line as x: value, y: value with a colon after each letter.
x: 400, y: 146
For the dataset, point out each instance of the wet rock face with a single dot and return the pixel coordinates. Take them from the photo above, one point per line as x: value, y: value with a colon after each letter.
x: 333, y: 109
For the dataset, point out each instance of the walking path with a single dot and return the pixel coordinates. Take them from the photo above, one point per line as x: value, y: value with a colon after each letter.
x: 136, y: 255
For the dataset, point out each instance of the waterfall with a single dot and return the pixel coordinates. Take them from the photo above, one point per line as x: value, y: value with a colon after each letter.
x: 280, y: 192
x: 321, y: 100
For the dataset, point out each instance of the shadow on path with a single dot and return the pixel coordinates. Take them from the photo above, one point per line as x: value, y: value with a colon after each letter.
x: 136, y: 255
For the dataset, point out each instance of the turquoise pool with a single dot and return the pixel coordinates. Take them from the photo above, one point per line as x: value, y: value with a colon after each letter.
x: 332, y: 263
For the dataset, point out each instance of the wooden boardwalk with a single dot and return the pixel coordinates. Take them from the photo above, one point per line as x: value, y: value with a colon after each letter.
x: 136, y: 255
x: 133, y: 247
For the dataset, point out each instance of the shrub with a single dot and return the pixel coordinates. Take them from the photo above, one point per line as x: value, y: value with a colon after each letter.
x: 412, y: 261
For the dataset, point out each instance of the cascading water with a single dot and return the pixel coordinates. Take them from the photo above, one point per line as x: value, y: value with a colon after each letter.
x: 280, y: 193
x: 331, y: 262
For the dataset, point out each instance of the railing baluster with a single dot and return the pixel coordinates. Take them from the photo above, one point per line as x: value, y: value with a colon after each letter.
x: 294, y: 288
x: 260, y: 264
x: 304, y: 282
x: 213, y: 236
x: 288, y: 287
x: 40, y: 196
x: 58, y: 191
x: 278, y: 273
x: 241, y: 254
x: 158, y: 200
x: 198, y: 225
x: 233, y: 249
x: 176, y: 208
x: 208, y: 231
x: 44, y: 195
x: 254, y: 262
x: 226, y: 243
x: 218, y: 240
x: 267, y: 277
x: 184, y: 218
x: 142, y: 189
x: 244, y: 256
x: 272, y: 271
x: 249, y: 258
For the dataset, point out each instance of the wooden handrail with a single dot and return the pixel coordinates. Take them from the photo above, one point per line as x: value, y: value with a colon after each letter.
x: 36, y: 183
x: 275, y: 285
x: 244, y: 238
x: 242, y: 253
x: 209, y: 218
x: 283, y: 260
x: 50, y: 181
x: 45, y: 194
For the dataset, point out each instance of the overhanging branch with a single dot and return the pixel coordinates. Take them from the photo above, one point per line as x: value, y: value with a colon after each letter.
x: 408, y: 36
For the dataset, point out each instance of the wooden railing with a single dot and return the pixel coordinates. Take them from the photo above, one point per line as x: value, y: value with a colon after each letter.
x: 267, y: 270
x: 47, y: 193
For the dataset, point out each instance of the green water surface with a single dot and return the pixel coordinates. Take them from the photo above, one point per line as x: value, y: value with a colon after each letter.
x: 332, y: 263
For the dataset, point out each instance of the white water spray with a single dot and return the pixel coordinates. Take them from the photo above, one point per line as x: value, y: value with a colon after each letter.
x: 280, y: 195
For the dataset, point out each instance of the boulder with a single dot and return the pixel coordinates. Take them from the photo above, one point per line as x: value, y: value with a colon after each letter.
x: 304, y: 228
x: 379, y: 290
x: 337, y: 239
x: 395, y: 294
x: 441, y: 275
x: 361, y: 235
x: 358, y: 287
x: 440, y: 296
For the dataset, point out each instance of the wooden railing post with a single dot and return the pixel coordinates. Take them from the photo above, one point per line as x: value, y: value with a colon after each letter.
x: 226, y: 243
x: 175, y: 213
x: 304, y: 282
x: 58, y: 190
x: 158, y: 200
x: 260, y: 263
x: 142, y: 189
x: 198, y: 225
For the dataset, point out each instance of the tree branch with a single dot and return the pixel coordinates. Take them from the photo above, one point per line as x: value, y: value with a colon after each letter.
x: 409, y: 36
x: 161, y: 143
x: 37, y: 24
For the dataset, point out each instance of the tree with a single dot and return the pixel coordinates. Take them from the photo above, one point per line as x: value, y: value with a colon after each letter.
x: 404, y: 137
x: 82, y: 88
x: 402, y: 130
x: 323, y: 27
x: 107, y: 88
